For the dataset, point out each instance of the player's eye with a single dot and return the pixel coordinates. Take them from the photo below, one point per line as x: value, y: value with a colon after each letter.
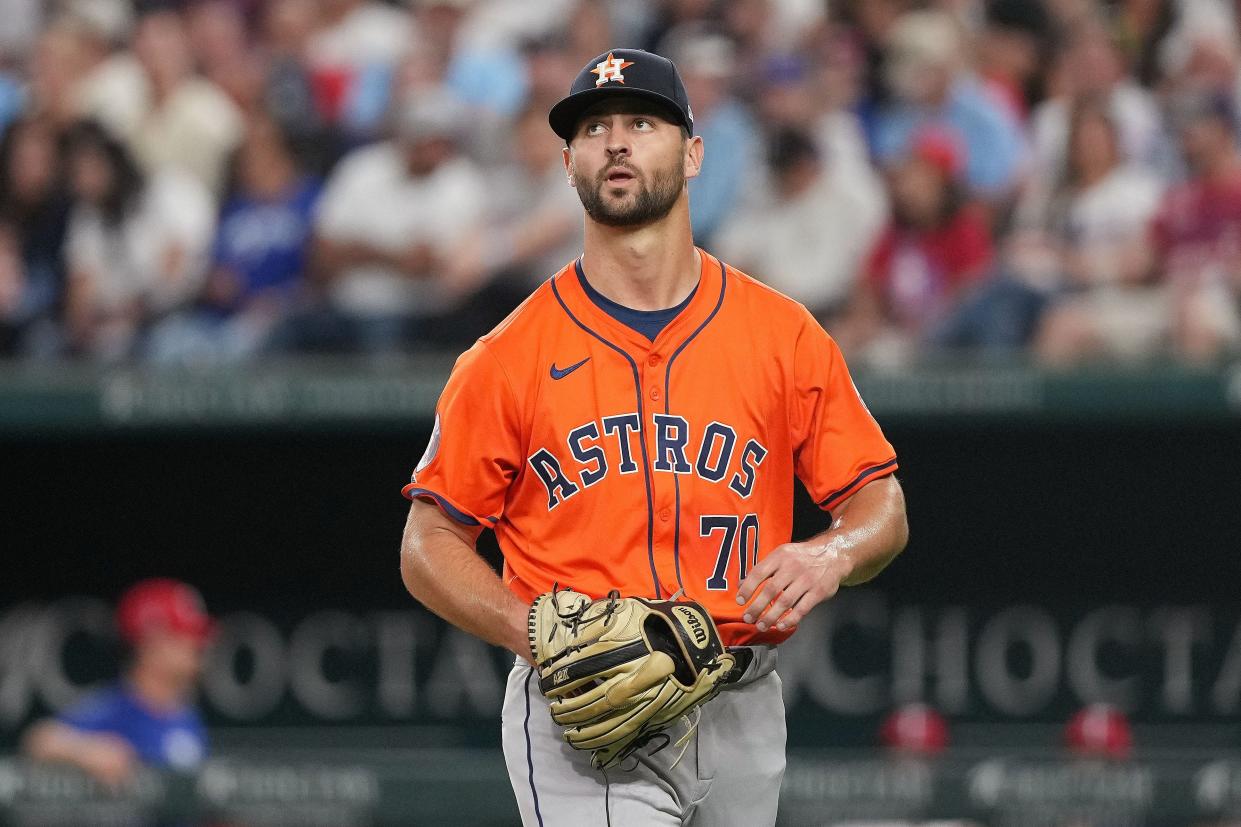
x: 643, y: 123
x: 594, y: 128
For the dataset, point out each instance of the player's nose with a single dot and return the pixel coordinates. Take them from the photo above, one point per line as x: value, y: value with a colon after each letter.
x: 618, y: 144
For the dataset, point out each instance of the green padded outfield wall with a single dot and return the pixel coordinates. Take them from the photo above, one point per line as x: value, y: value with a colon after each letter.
x: 1061, y: 552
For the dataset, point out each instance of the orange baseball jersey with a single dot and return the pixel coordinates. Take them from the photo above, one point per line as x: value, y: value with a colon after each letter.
x: 604, y: 460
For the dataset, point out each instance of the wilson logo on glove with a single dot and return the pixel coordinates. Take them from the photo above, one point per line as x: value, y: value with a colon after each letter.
x: 694, y: 622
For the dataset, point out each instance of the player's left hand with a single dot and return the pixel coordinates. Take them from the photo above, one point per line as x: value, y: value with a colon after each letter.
x: 790, y: 581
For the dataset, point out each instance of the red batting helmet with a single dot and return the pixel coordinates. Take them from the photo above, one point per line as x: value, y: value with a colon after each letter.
x: 163, y: 603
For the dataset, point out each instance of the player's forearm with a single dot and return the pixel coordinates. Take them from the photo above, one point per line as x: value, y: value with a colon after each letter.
x: 869, y: 530
x: 444, y: 572
x: 50, y: 740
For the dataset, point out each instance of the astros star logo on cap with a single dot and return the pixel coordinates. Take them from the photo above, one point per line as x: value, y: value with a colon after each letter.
x: 610, y: 69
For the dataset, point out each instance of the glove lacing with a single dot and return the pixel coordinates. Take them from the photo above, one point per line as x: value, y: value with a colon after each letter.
x: 574, y: 618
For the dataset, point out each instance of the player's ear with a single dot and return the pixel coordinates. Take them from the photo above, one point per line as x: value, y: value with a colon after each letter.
x: 567, y: 155
x: 693, y: 156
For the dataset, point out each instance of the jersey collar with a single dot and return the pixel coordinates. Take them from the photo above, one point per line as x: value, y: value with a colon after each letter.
x: 703, y: 304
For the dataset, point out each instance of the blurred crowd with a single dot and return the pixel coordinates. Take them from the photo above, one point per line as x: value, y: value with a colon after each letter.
x: 221, y: 180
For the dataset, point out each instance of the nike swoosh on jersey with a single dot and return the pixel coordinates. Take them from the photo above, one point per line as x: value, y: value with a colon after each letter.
x: 559, y: 373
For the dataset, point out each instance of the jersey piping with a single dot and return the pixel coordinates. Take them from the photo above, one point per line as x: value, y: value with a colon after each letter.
x: 646, y: 463
x: 676, y: 480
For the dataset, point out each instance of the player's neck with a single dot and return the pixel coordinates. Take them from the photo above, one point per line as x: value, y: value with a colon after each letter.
x: 647, y: 268
x: 156, y: 691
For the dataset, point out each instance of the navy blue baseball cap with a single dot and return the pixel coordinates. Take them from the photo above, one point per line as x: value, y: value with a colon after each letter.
x: 631, y: 72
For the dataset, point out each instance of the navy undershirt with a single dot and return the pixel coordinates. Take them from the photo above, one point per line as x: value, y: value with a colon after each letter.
x: 646, y: 322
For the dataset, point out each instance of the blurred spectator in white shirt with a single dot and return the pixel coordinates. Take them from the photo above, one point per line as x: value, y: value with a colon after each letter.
x: 796, y: 94
x: 533, y: 223
x: 1089, y: 66
x: 136, y: 247
x: 392, y: 218
x: 809, y: 235
x: 189, y: 124
x: 1093, y: 225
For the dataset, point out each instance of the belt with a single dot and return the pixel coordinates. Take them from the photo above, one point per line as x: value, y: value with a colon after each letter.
x: 752, y: 663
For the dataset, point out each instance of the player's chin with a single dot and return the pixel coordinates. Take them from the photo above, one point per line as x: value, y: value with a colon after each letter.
x: 621, y: 188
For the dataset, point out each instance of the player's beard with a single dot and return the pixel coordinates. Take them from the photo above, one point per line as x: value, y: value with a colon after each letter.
x: 646, y: 205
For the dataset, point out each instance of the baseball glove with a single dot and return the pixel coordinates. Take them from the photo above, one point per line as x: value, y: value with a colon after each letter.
x: 620, y: 670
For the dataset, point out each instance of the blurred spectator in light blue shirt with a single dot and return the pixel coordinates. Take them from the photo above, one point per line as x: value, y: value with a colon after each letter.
x: 924, y: 68
x: 12, y: 98
x: 706, y: 61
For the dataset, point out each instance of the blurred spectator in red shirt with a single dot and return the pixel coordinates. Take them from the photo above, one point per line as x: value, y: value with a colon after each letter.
x: 1196, y: 235
x: 935, y: 248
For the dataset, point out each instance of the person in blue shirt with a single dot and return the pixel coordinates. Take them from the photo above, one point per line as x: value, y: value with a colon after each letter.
x: 933, y: 89
x: 147, y: 717
x: 259, y: 260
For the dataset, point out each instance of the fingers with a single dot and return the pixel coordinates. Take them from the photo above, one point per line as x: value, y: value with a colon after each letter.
x: 771, y: 612
x: 800, y: 608
x: 782, y: 588
x: 764, y: 569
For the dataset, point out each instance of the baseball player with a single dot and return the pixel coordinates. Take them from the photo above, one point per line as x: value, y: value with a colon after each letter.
x: 148, y: 716
x: 634, y: 428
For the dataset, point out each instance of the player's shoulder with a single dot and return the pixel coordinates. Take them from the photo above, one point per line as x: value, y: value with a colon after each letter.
x: 515, y: 339
x: 529, y: 319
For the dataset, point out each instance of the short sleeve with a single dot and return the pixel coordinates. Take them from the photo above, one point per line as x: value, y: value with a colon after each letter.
x: 838, y: 445
x: 475, y: 449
